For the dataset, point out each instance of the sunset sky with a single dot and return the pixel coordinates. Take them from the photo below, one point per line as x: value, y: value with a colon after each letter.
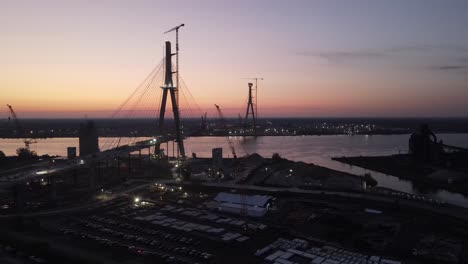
x: 319, y: 58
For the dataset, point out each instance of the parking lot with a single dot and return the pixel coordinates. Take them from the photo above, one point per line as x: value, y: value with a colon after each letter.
x: 289, y: 251
x: 166, y: 232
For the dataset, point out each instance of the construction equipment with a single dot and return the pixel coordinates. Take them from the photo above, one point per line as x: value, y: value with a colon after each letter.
x: 21, y: 132
x: 243, y: 209
x: 177, y: 57
x: 176, y: 89
x: 223, y: 123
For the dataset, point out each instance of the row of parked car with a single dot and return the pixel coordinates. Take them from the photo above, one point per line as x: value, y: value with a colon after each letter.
x: 159, y: 233
x: 408, y: 196
x: 119, y: 229
x: 164, y: 258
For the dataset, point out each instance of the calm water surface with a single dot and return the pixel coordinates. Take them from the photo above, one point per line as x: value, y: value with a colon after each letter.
x: 311, y: 149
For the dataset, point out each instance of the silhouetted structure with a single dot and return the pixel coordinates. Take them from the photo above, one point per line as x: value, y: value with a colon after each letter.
x: 88, y: 137
x: 19, y: 127
x: 71, y: 152
x: 169, y: 87
x: 176, y: 29
x: 423, y: 145
x: 250, y: 111
x: 204, y: 124
x: 217, y: 156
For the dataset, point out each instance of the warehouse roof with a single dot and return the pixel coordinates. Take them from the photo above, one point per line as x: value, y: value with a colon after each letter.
x: 252, y: 200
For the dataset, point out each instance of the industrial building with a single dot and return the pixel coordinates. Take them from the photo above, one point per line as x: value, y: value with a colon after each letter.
x: 217, y: 154
x: 88, y: 137
x: 71, y: 152
x: 251, y: 205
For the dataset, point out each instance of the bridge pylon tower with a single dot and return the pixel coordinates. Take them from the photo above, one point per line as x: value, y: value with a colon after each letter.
x: 251, y: 111
x: 169, y: 87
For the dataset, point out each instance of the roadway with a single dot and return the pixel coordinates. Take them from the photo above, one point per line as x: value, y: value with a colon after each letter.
x: 438, y: 208
x: 45, y: 168
x: 82, y: 207
x: 442, y: 209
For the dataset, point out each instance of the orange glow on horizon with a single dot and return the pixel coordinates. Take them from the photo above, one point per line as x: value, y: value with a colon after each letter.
x: 62, y: 59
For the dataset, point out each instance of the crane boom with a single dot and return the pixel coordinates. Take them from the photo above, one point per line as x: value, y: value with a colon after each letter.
x: 15, y: 118
x: 223, y: 123
x: 21, y: 131
x: 174, y: 28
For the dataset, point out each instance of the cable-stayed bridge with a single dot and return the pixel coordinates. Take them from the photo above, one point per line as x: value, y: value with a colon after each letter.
x: 147, y: 100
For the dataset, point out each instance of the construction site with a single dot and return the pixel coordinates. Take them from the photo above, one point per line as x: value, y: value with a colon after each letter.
x: 136, y: 202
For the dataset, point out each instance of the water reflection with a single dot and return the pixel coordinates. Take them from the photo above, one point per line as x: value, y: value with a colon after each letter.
x: 311, y: 149
x: 320, y: 149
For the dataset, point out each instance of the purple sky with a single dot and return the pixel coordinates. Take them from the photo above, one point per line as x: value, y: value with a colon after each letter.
x: 318, y: 58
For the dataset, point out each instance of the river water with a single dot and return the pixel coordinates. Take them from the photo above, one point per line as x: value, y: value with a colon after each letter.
x: 311, y: 149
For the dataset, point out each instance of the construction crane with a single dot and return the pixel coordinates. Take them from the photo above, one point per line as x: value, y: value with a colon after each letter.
x: 177, y: 56
x: 177, y: 66
x: 223, y: 123
x: 243, y: 210
x: 21, y: 132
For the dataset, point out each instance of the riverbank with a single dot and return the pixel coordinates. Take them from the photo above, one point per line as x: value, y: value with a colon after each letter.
x: 318, y: 150
x: 259, y: 134
x: 424, y: 176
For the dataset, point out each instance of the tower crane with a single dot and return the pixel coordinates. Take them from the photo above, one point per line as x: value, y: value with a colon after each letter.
x: 243, y: 209
x: 176, y: 29
x: 223, y: 123
x: 176, y: 90
x: 27, y: 142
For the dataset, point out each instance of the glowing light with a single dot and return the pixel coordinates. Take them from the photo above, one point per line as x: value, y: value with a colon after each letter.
x: 137, y: 199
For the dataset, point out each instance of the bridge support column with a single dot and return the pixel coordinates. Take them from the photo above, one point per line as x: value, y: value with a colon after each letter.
x: 169, y: 87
